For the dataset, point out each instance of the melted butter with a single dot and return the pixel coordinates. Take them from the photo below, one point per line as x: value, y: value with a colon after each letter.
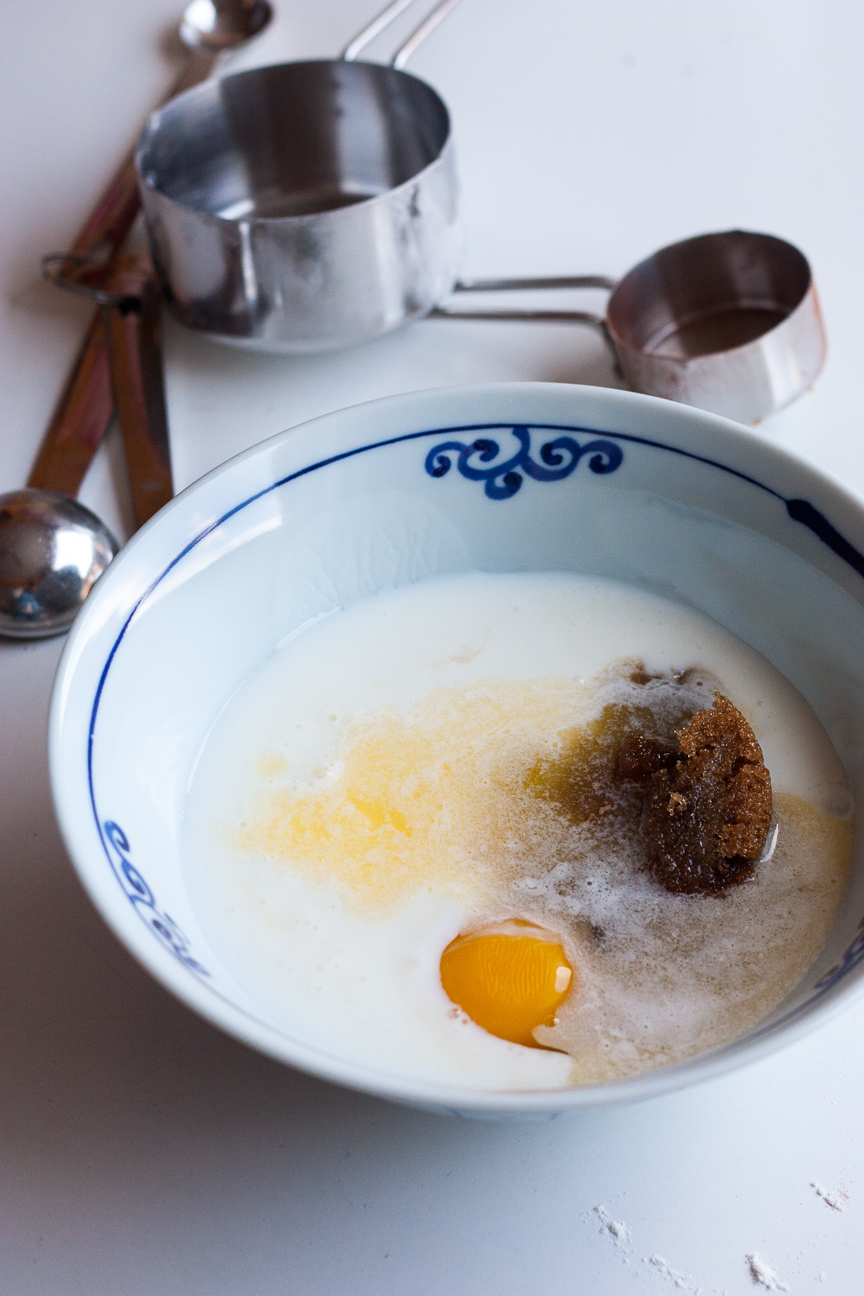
x: 449, y: 795
x: 420, y: 800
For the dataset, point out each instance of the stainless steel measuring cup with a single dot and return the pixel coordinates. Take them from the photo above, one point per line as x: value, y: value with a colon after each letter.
x: 728, y: 322
x: 305, y: 206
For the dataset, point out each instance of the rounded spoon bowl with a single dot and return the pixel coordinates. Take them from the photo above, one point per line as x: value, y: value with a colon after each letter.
x: 216, y: 26
x: 52, y: 552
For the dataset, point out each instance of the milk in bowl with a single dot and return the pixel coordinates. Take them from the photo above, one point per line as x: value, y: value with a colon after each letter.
x: 401, y: 776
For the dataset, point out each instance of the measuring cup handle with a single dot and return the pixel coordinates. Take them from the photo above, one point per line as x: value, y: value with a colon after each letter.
x: 438, y: 14
x: 372, y: 29
x: 385, y: 18
x: 534, y: 316
x: 526, y: 316
x: 515, y: 285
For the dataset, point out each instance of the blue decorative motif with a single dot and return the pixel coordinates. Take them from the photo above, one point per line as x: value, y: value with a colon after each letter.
x: 143, y: 900
x: 851, y: 958
x: 502, y: 480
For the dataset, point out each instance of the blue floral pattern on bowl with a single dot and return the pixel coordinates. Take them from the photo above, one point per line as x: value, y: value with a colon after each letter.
x: 560, y: 457
x: 144, y: 902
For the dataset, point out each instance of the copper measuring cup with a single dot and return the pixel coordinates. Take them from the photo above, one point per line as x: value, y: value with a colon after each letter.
x: 728, y: 322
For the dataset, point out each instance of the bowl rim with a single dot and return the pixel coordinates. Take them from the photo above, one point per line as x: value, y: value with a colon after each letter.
x: 268, y: 1039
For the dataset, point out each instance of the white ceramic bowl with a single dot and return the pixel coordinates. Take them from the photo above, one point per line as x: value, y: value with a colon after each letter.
x: 508, y: 477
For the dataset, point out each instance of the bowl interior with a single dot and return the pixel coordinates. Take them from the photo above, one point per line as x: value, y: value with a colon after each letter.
x: 505, y: 478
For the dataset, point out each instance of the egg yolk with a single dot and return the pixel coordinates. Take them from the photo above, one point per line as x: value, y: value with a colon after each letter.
x: 509, y: 979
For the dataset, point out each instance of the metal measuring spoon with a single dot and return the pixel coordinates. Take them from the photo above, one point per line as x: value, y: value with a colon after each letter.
x: 210, y: 30
x: 214, y: 27
x: 53, y: 549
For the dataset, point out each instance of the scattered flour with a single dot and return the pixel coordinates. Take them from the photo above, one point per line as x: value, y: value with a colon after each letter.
x: 837, y: 1200
x: 679, y: 1279
x: 655, y: 1264
x: 619, y: 1233
x: 763, y: 1275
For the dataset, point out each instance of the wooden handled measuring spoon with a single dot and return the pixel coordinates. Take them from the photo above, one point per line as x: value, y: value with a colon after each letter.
x: 53, y: 549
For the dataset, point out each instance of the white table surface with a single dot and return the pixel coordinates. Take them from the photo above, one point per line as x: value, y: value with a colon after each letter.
x: 143, y: 1152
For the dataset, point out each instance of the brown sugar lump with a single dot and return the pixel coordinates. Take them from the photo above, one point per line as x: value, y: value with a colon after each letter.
x: 707, y: 807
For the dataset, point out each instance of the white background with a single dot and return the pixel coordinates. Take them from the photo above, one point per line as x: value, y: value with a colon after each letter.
x: 140, y: 1151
